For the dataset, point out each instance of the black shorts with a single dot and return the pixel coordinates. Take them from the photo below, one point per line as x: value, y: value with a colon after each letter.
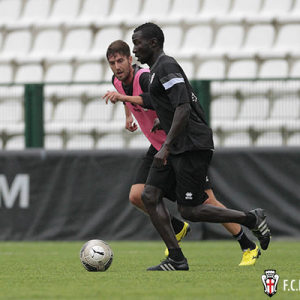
x: 186, y: 175
x: 145, y: 165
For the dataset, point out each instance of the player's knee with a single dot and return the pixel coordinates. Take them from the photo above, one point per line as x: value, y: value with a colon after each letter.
x: 146, y: 197
x: 135, y: 199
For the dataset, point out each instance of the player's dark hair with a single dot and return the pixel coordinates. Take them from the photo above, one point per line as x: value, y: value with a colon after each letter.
x: 119, y: 47
x: 150, y: 31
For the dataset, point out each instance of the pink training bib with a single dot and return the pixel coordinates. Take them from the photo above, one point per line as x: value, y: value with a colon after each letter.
x: 144, y: 117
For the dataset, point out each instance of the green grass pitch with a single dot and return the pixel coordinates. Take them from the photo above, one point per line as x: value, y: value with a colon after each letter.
x: 52, y: 270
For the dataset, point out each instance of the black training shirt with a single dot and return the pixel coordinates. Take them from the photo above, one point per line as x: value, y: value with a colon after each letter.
x: 169, y: 88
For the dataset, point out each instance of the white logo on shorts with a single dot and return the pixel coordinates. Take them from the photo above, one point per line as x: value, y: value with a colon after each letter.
x: 188, y: 196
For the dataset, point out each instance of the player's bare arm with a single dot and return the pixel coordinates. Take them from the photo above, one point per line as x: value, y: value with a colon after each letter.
x: 130, y: 124
x: 115, y: 97
x: 180, y: 120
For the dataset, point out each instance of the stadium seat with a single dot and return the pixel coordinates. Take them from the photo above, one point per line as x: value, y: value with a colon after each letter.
x: 16, y: 43
x: 173, y: 39
x: 107, y: 75
x: 11, y: 111
x: 180, y: 10
x: 53, y: 142
x: 15, y: 143
x: 224, y: 108
x: 80, y: 142
x: 188, y: 68
x: 64, y: 10
x: 217, y: 140
x: 242, y: 69
x: 274, y: 69
x: 269, y: 139
x: 214, y: 69
x: 295, y: 69
x: 121, y: 11
x: 97, y: 111
x: 296, y: 8
x: 111, y: 141
x: 77, y: 42
x: 275, y: 7
x: 139, y: 141
x: 255, y: 108
x: 103, y: 39
x: 15, y: 92
x: 36, y: 10
x: 10, y: 10
x: 242, y: 8
x: 285, y: 108
x: 229, y: 37
x: 119, y: 112
x: 196, y: 39
x: 215, y: 7
x: 237, y: 139
x: 61, y: 72
x: 94, y: 10
x: 288, y: 38
x: 68, y: 110
x: 128, y: 37
x: 294, y: 140
x: 47, y: 42
x: 154, y: 10
x: 259, y: 37
x: 6, y: 73
x: 48, y: 111
x: 29, y: 73
x: 88, y: 72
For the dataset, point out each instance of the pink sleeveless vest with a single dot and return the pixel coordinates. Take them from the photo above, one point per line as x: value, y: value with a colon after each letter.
x: 144, y: 117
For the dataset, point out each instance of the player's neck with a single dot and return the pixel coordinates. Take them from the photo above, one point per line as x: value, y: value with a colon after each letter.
x: 129, y: 79
x: 155, y: 57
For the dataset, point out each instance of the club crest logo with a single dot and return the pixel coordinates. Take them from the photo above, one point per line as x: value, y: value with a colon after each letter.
x: 270, y: 281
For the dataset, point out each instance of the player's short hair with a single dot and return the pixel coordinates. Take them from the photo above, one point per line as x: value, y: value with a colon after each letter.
x: 119, y: 47
x: 150, y: 30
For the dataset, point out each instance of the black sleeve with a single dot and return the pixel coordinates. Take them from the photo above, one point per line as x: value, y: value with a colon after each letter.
x: 172, y: 79
x: 147, y: 101
x: 144, y: 81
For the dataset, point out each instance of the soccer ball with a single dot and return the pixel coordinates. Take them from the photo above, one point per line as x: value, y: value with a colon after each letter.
x: 96, y: 255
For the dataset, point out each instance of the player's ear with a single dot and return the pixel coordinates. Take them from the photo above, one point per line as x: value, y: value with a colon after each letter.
x: 130, y: 59
x: 154, y: 42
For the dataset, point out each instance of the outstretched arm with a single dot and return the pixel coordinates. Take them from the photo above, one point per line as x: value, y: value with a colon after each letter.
x: 115, y: 97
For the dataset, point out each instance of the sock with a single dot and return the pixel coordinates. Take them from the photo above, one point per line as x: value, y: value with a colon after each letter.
x: 176, y: 254
x: 250, y: 221
x: 244, y: 241
x: 177, y: 224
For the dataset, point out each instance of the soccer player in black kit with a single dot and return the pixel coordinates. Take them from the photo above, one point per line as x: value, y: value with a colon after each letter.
x: 184, y: 158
